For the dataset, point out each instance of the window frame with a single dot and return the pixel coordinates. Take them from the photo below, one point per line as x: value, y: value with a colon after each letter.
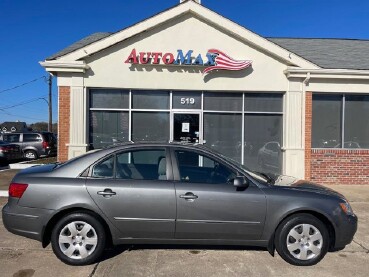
x: 342, y: 119
x: 175, y: 165
x: 169, y: 167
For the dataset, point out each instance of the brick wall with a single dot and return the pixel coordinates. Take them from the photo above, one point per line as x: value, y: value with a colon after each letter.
x: 340, y: 166
x: 333, y: 166
x: 63, y: 123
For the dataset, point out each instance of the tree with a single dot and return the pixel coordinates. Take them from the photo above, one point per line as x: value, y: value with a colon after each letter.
x: 43, y: 127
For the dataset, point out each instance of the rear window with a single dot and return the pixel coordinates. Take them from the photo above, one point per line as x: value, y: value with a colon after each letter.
x: 49, y: 137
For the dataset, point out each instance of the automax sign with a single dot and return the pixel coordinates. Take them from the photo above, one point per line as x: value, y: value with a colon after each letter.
x: 213, y: 60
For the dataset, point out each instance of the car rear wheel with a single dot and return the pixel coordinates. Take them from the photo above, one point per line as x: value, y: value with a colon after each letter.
x: 30, y: 155
x: 78, y: 239
x: 302, y: 239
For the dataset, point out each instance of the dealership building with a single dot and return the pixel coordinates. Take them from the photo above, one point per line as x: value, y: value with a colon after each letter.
x: 294, y: 106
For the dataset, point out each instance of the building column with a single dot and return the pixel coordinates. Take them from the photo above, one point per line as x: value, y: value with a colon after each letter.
x: 63, y: 123
x: 308, y: 129
x: 78, y: 119
x: 293, y: 139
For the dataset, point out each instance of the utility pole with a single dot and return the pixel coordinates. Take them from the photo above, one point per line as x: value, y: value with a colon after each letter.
x: 50, y: 82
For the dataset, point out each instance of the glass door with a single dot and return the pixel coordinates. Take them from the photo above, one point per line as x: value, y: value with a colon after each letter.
x: 186, y: 127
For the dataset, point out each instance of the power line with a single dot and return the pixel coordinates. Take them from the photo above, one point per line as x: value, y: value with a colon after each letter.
x: 24, y: 84
x: 21, y: 103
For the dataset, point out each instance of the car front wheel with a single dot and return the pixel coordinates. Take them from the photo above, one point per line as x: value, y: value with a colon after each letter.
x: 302, y: 239
x: 78, y: 239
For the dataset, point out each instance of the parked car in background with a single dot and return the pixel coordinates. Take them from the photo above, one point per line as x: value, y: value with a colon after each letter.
x: 33, y: 144
x: 173, y: 193
x: 9, y: 153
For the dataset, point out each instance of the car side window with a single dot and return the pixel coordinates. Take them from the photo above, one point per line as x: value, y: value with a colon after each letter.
x: 104, y: 169
x: 11, y: 138
x: 196, y: 168
x: 31, y: 137
x: 148, y: 164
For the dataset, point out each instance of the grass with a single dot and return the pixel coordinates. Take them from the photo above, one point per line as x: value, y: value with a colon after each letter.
x: 49, y: 160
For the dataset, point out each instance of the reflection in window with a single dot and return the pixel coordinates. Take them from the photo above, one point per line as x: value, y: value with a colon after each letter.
x: 263, y: 139
x: 109, y: 98
x: 356, y: 121
x: 150, y: 126
x: 195, y: 168
x: 108, y: 128
x: 326, y: 121
x: 150, y: 99
x: 142, y: 165
x: 223, y: 132
x: 104, y: 169
x: 217, y: 101
x: 263, y: 102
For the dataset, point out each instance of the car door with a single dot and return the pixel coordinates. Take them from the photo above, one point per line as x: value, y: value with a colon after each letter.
x: 134, y: 189
x: 209, y: 206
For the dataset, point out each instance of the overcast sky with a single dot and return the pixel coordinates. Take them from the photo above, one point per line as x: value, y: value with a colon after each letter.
x: 31, y: 30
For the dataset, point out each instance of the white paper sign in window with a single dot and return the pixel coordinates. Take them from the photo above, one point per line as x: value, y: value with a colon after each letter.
x: 185, y: 127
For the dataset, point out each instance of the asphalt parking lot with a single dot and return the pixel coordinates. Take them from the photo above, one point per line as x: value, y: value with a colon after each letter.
x: 23, y: 257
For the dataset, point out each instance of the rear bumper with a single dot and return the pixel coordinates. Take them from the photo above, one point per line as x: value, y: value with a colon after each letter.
x: 346, y: 231
x: 27, y: 222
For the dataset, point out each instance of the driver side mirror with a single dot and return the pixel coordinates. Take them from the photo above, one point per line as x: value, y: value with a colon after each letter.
x: 240, y: 182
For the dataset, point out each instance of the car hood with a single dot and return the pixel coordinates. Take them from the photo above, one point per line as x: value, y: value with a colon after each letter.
x: 297, y: 184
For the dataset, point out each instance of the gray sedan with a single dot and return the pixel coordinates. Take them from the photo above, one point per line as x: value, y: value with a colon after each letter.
x: 171, y: 193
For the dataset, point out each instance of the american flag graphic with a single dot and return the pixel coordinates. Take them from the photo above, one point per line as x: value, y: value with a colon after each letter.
x: 223, y: 61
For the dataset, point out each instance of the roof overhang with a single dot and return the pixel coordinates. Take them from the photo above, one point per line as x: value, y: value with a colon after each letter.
x: 196, y: 9
x: 61, y: 66
x: 326, y: 73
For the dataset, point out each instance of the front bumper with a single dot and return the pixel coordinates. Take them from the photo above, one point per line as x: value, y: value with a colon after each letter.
x: 346, y: 231
x: 23, y: 221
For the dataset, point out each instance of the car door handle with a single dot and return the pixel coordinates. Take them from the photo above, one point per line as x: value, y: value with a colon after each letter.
x: 106, y: 193
x: 188, y: 196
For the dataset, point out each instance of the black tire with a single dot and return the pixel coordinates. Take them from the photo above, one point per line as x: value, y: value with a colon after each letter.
x: 308, y: 246
x: 30, y: 155
x: 79, y: 220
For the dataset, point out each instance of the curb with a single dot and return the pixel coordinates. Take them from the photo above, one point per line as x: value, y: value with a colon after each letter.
x: 3, y: 193
x: 21, y: 166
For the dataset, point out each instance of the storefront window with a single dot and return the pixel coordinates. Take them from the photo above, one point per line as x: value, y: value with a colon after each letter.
x: 263, y: 102
x: 223, y: 132
x: 109, y: 98
x: 326, y: 123
x: 150, y: 99
x: 218, y: 101
x: 150, y: 126
x: 263, y: 141
x: 107, y: 128
x: 356, y: 123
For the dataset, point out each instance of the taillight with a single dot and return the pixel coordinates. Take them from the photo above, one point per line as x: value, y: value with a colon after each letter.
x: 16, y: 190
x: 45, y: 144
x: 4, y: 149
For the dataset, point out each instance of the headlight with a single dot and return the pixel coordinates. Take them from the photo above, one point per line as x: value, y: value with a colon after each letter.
x: 346, y: 208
